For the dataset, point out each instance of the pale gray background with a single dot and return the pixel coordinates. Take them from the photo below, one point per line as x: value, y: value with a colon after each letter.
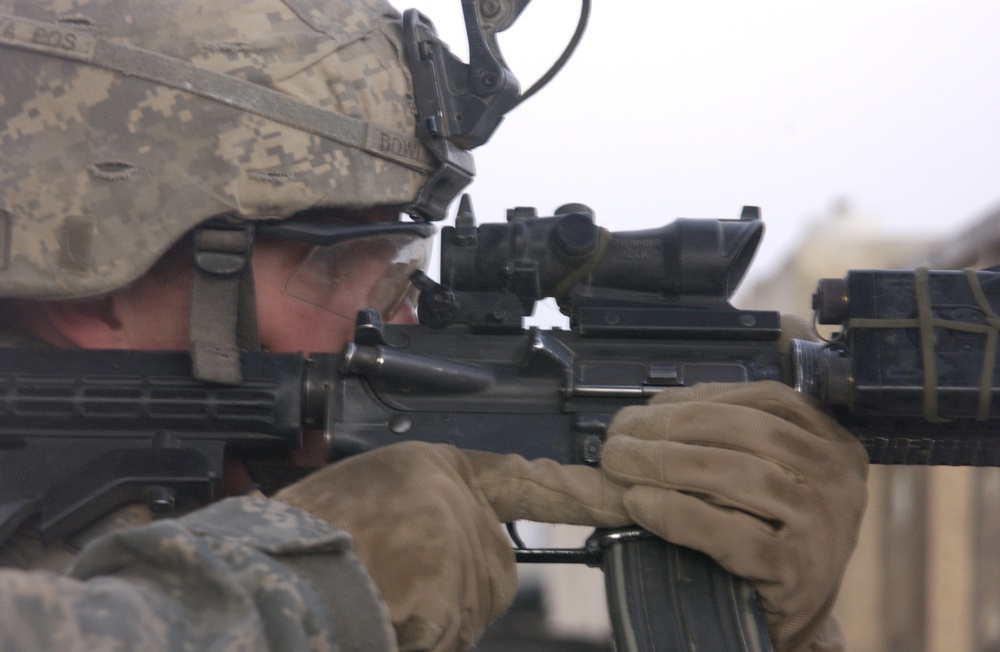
x: 692, y: 109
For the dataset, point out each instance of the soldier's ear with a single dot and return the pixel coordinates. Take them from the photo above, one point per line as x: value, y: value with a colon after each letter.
x: 88, y: 323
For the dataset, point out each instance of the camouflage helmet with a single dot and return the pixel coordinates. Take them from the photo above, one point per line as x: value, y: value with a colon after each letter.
x: 126, y: 123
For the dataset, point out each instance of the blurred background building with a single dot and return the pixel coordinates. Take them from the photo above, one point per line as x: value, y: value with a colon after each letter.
x: 926, y: 574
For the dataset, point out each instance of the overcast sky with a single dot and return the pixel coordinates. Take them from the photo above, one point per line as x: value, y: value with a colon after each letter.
x: 692, y: 109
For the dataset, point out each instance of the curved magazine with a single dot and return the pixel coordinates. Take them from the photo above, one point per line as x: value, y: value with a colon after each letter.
x: 666, y: 598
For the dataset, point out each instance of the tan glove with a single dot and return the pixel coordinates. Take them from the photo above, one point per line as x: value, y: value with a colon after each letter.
x: 425, y: 519
x: 758, y: 477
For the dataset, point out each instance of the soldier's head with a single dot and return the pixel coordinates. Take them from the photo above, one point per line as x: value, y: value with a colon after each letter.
x: 146, y: 147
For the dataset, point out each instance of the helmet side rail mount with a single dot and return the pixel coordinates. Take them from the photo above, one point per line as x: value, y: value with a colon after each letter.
x: 460, y: 105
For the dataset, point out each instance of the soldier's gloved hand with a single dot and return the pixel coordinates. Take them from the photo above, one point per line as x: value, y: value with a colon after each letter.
x: 425, y: 519
x: 760, y: 478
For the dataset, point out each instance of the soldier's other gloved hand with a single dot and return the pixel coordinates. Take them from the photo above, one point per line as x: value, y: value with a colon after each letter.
x: 760, y: 478
x: 425, y: 519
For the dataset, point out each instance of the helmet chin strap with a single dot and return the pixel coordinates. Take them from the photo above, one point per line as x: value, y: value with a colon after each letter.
x: 223, y: 301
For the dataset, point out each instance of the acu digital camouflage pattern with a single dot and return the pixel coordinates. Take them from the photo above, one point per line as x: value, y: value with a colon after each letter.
x: 101, y: 172
x: 232, y: 576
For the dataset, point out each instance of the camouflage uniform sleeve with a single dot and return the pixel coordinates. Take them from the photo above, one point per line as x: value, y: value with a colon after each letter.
x: 241, y: 574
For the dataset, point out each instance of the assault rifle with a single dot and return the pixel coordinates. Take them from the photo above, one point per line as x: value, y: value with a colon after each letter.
x: 911, y: 374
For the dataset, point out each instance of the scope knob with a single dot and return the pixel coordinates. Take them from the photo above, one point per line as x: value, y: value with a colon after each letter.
x: 576, y: 235
x: 566, y: 209
x: 831, y: 302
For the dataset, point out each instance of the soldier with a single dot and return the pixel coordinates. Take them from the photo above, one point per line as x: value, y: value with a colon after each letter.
x: 278, y: 142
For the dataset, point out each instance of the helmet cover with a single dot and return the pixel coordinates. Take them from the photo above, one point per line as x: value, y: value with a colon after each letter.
x: 101, y: 171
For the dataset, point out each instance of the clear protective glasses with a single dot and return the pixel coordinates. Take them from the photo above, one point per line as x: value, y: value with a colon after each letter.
x: 355, y: 266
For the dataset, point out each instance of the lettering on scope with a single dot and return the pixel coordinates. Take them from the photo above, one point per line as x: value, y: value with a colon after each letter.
x: 643, y: 249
